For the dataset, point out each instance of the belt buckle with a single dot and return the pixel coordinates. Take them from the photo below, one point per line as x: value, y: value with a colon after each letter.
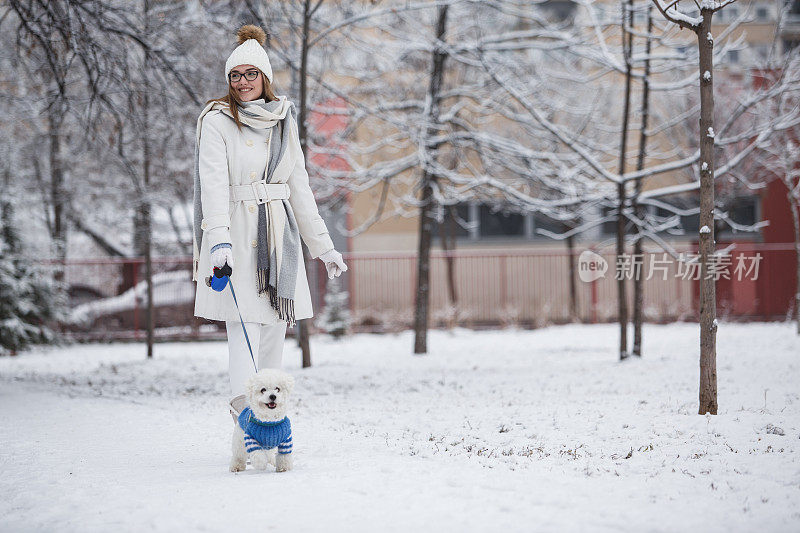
x: 260, y: 192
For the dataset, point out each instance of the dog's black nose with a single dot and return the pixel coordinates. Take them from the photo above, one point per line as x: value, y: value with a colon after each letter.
x: 272, y: 397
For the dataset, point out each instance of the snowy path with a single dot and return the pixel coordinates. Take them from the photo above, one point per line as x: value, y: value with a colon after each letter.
x: 509, y: 430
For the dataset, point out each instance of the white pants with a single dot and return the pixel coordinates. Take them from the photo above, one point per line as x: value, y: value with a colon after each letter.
x: 267, y: 343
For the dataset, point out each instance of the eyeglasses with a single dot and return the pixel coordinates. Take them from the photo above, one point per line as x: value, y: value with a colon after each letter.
x: 250, y: 75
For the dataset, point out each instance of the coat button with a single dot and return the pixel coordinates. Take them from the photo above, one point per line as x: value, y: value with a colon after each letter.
x: 252, y: 208
x: 253, y: 174
x: 254, y: 243
x: 248, y: 142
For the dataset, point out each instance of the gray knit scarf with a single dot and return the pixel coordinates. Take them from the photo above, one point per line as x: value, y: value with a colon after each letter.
x: 280, y: 286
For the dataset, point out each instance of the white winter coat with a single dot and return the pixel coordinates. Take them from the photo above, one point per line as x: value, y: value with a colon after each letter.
x: 228, y: 156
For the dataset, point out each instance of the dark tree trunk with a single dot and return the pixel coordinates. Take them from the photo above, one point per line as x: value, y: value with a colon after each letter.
x: 9, y: 234
x: 622, y: 299
x: 448, y: 237
x: 58, y: 227
x: 638, y: 282
x: 708, y: 304
x: 426, y: 220
x: 147, y: 231
x: 573, y: 289
x: 146, y: 215
x: 304, y: 326
x: 423, y: 267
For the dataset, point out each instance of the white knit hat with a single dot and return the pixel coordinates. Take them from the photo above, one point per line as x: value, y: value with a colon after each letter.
x: 250, y: 51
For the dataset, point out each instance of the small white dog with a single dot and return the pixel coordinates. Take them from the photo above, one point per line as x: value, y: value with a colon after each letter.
x: 264, y: 426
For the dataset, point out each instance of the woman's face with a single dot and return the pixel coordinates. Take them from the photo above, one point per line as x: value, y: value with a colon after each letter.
x: 246, y: 89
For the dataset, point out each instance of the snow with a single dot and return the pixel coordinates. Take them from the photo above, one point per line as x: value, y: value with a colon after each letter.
x: 710, y: 38
x: 706, y: 75
x: 677, y: 15
x: 705, y: 229
x: 704, y: 167
x: 493, y: 430
x: 708, y: 4
x: 711, y: 132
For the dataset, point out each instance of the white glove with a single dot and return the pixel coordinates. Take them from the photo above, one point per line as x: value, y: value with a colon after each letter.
x: 333, y: 263
x: 220, y: 255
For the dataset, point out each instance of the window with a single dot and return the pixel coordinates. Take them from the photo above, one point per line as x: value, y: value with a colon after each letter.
x: 459, y: 225
x: 687, y: 223
x: 478, y: 221
x: 558, y: 10
x: 760, y: 52
x: 762, y: 13
x: 499, y: 224
x: 609, y: 227
x: 790, y: 44
x: 742, y: 210
x: 546, y: 223
x: 733, y: 57
x: 690, y: 223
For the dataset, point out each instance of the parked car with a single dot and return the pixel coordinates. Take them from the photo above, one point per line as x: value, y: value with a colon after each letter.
x: 173, y: 303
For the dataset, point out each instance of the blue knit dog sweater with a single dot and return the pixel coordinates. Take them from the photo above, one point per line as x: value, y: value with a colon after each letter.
x: 259, y: 435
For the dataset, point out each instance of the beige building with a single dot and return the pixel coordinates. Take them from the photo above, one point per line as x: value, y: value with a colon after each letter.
x: 503, y: 269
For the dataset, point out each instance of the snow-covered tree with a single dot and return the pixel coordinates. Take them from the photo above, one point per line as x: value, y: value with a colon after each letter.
x: 423, y: 124
x: 29, y: 303
x: 335, y: 317
x: 697, y: 18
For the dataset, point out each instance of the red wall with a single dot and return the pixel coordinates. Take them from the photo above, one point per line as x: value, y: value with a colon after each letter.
x: 771, y: 294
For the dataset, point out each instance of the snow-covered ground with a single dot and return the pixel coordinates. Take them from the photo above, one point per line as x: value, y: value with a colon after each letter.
x: 492, y: 431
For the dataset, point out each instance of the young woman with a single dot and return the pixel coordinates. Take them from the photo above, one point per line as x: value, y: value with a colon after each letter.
x: 252, y: 206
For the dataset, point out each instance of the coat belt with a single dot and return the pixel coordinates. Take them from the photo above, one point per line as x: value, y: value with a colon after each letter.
x: 260, y: 191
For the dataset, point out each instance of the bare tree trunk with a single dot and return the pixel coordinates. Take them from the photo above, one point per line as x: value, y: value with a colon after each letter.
x: 573, y: 289
x: 622, y: 300
x: 638, y: 282
x: 146, y: 207
x: 58, y: 227
x: 9, y: 235
x: 304, y: 326
x: 708, y: 304
x: 423, y: 267
x: 426, y: 220
x: 448, y: 238
x: 148, y: 231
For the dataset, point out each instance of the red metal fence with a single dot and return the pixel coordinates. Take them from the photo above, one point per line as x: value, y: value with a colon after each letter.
x: 526, y: 288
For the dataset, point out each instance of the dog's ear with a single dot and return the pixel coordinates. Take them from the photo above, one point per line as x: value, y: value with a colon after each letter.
x: 288, y: 382
x: 249, y: 385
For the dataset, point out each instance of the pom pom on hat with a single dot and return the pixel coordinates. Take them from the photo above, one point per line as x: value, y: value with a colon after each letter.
x: 249, y: 31
x: 250, y: 51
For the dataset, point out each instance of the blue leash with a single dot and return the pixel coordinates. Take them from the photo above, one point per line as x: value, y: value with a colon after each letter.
x: 233, y: 293
x: 217, y: 282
